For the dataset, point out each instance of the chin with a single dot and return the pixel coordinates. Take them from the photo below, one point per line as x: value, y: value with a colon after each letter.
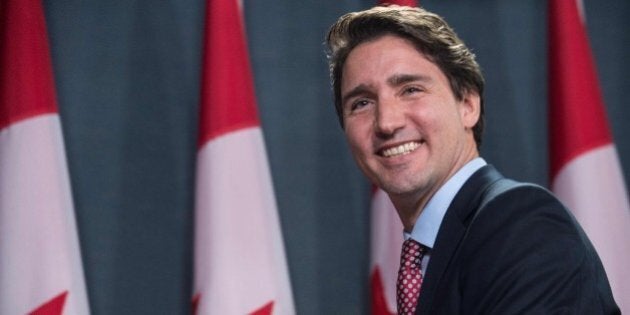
x: 399, y: 188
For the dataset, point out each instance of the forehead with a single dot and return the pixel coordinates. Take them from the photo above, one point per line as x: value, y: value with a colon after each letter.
x: 383, y: 58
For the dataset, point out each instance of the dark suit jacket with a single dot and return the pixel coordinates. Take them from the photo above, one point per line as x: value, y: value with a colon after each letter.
x: 522, y: 253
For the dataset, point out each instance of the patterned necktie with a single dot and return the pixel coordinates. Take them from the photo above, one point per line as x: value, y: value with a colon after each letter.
x: 409, y: 277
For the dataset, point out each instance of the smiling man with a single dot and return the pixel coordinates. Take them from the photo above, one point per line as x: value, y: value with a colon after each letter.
x: 409, y: 96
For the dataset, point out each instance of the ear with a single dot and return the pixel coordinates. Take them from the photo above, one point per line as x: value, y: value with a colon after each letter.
x: 470, y: 109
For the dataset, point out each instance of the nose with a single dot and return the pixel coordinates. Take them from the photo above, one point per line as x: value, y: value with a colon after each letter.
x: 390, y: 117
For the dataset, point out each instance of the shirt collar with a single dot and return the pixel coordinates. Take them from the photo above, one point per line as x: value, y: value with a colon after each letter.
x: 428, y: 223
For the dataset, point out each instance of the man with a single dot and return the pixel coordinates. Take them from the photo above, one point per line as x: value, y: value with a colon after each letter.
x: 409, y: 96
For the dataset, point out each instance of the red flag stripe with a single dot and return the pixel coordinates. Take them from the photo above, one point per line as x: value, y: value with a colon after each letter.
x: 26, y: 77
x: 577, y: 118
x: 227, y: 94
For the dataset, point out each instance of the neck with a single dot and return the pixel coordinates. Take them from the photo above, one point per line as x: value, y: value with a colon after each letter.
x: 410, y: 205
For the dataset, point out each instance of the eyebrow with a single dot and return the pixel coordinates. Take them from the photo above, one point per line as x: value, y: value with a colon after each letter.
x: 356, y: 91
x: 395, y: 80
x: 400, y: 79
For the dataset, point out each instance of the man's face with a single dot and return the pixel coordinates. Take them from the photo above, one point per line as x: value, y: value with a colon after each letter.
x: 405, y: 128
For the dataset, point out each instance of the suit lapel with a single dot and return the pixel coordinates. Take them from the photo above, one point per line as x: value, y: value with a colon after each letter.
x: 452, y: 230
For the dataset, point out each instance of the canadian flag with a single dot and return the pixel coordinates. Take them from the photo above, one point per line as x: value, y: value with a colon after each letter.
x: 386, y: 239
x: 386, y: 244
x: 40, y: 261
x: 585, y: 170
x: 240, y: 265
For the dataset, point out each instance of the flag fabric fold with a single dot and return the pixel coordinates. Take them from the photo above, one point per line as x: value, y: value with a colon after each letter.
x: 40, y: 270
x: 585, y: 170
x: 240, y: 264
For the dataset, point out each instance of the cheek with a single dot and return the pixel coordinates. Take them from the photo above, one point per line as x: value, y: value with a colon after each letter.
x: 358, y: 139
x: 353, y: 140
x: 428, y: 119
x: 446, y: 117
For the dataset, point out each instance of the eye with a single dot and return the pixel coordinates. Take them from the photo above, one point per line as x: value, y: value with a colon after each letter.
x: 411, y: 90
x: 358, y: 104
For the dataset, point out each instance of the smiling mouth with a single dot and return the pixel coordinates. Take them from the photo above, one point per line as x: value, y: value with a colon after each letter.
x: 401, y: 149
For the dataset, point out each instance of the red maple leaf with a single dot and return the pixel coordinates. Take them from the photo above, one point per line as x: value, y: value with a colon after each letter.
x: 195, y: 303
x: 379, y: 305
x: 52, y: 307
x: 265, y: 310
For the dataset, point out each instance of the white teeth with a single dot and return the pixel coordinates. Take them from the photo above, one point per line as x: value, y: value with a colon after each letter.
x: 401, y: 149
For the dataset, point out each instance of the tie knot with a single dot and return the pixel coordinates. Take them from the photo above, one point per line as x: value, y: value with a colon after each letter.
x: 412, y: 253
